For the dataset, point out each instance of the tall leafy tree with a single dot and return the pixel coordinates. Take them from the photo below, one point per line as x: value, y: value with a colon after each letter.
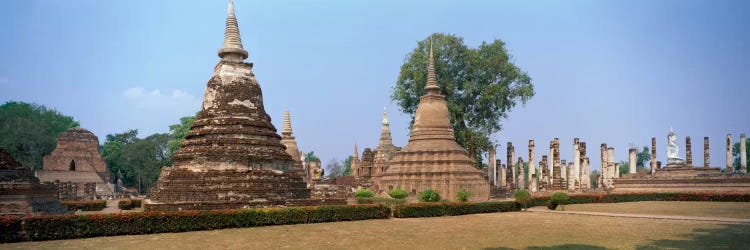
x: 29, y: 131
x: 177, y: 133
x: 310, y: 156
x: 112, y: 150
x: 481, y: 86
x: 144, y: 159
x: 642, y: 157
x: 348, y: 166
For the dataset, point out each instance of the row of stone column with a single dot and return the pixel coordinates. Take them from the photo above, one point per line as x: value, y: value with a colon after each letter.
x: 555, y: 176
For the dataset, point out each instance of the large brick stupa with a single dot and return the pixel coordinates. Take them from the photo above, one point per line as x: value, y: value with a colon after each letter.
x: 232, y: 157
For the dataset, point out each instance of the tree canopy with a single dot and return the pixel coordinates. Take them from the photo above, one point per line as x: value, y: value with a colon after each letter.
x: 137, y: 161
x: 29, y: 131
x: 178, y: 132
x: 481, y: 86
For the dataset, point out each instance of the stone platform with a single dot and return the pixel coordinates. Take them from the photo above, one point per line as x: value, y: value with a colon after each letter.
x: 683, y: 179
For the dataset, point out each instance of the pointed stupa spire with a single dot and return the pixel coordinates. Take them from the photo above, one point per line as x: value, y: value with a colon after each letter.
x: 385, y: 116
x: 232, y: 49
x: 431, y: 87
x: 355, y: 155
x: 287, y: 130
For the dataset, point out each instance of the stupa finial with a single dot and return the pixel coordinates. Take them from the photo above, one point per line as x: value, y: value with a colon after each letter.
x: 431, y: 87
x: 287, y: 130
x: 232, y: 49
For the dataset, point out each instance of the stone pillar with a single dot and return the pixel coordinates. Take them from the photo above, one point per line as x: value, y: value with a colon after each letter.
x: 688, y: 152
x: 585, y: 173
x: 532, y: 164
x: 503, y: 176
x: 509, y: 163
x: 611, y: 159
x: 730, y: 168
x: 583, y: 179
x: 653, y: 155
x: 631, y: 160
x: 551, y: 161
x: 571, y: 176
x: 743, y: 154
x: 576, y: 163
x: 512, y: 163
x: 706, y: 158
x: 564, y: 169
x: 545, y: 172
x: 492, y: 167
x: 521, y: 174
x: 603, y: 160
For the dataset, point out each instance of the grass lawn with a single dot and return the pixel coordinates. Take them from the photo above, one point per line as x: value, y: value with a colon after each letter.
x: 479, y: 231
x: 684, y: 208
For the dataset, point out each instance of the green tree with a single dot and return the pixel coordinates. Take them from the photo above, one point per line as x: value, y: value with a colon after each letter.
x: 112, y: 150
x: 522, y: 197
x: 310, y: 156
x: 29, y: 131
x: 348, y: 166
x: 144, y: 158
x: 481, y: 86
x: 642, y: 157
x: 177, y: 133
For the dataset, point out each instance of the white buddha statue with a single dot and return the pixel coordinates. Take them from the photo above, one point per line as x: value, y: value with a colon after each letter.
x: 672, y: 149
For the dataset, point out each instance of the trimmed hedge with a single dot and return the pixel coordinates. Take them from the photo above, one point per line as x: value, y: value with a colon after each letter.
x: 379, y: 200
x: 634, y: 197
x: 10, y: 229
x: 450, y: 209
x: 127, y: 204
x: 86, y: 205
x: 83, y: 226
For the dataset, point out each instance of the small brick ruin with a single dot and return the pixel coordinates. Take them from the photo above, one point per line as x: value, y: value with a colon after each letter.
x: 21, y: 193
x: 232, y: 157
x: 77, y: 167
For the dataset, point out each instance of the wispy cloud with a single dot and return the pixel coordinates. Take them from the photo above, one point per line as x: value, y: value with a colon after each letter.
x: 156, y: 99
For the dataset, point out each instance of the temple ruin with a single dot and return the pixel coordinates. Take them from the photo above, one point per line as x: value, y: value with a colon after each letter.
x: 77, y: 167
x: 232, y: 157
x: 22, y: 194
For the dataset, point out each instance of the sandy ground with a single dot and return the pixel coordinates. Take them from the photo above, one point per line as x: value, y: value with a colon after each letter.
x: 739, y: 210
x: 516, y: 230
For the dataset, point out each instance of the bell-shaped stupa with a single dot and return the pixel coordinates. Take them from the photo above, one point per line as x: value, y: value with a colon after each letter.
x: 232, y: 157
x: 432, y: 159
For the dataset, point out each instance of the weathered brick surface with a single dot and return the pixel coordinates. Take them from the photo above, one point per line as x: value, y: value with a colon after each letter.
x: 22, y: 194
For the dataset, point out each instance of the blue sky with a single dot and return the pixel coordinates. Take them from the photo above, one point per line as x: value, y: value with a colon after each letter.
x: 615, y: 72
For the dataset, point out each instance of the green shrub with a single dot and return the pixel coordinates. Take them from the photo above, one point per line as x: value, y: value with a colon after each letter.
x: 398, y: 193
x: 429, y: 195
x: 85, y: 205
x: 433, y: 209
x: 634, y: 197
x: 463, y: 195
x: 364, y: 193
x: 558, y: 198
x: 83, y: 226
x: 461, y: 208
x: 378, y: 200
x: 522, y: 197
x: 414, y: 210
x: 127, y: 204
x: 10, y: 229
